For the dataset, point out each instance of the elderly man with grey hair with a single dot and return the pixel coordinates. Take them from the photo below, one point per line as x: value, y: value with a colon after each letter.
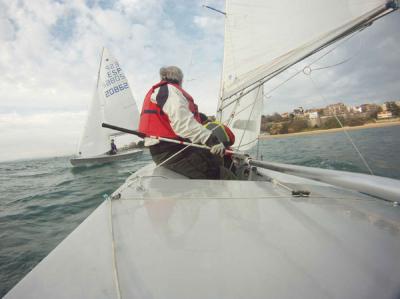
x: 169, y: 111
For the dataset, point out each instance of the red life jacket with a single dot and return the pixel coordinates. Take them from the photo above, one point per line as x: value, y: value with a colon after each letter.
x: 153, y: 120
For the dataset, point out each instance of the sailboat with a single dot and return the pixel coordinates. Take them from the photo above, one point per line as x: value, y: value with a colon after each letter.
x: 112, y: 101
x: 285, y: 232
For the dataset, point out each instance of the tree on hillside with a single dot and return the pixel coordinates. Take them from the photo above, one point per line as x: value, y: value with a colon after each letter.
x: 279, y: 128
x: 392, y: 107
x: 276, y: 117
x: 374, y: 114
x: 332, y: 122
x: 297, y: 125
x: 354, y: 121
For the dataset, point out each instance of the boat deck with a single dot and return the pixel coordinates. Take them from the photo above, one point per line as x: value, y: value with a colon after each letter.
x: 164, y: 236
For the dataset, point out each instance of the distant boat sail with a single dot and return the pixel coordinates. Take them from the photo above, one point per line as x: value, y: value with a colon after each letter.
x: 113, y: 103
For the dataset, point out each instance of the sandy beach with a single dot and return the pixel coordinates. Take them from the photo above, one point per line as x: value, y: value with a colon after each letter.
x: 395, y: 122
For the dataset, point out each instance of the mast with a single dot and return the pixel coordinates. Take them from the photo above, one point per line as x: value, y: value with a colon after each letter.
x: 98, y: 72
x: 221, y: 84
x: 102, y: 103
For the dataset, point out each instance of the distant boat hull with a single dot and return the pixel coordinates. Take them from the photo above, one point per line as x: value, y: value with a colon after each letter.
x: 106, y: 158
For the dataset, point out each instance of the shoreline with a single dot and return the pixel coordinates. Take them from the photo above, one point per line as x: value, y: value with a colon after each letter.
x: 366, y: 126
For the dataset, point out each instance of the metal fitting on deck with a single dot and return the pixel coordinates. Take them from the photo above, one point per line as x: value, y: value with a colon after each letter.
x: 393, y: 4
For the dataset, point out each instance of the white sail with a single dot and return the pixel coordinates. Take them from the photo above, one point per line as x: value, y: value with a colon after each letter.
x: 112, y: 103
x: 120, y: 108
x: 95, y: 140
x: 257, y: 48
x: 244, y: 119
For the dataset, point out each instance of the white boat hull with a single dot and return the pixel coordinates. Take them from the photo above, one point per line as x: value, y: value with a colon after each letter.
x: 106, y: 158
x: 163, y: 236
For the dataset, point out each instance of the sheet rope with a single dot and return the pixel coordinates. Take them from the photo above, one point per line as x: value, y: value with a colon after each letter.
x: 114, y: 257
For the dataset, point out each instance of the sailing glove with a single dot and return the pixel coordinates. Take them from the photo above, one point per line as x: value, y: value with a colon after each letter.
x: 218, y: 149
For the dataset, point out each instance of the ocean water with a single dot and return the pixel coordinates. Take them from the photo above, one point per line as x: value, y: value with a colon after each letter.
x: 42, y: 201
x: 379, y: 146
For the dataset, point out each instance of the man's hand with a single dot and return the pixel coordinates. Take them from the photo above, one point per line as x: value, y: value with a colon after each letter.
x: 218, y: 149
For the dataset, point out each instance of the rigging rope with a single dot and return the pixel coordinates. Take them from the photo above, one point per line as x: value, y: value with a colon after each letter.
x: 345, y: 60
x: 180, y: 151
x: 314, y: 61
x: 174, y: 155
x: 251, y: 141
x: 114, y: 258
x: 258, y: 148
x: 344, y: 130
x: 303, y: 71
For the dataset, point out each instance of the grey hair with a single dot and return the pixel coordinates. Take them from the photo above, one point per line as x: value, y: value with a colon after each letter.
x: 171, y: 74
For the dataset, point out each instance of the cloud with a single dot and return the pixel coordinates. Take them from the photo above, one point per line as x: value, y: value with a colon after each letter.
x: 207, y: 22
x: 39, y: 135
x: 7, y: 31
x: 50, y: 51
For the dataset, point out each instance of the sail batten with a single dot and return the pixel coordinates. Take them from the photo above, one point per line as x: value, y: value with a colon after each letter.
x: 256, y: 49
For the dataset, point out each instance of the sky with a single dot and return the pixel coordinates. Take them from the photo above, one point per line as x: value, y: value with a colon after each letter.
x: 50, y: 51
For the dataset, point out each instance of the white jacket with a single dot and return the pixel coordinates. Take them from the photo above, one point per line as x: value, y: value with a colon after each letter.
x: 181, y: 118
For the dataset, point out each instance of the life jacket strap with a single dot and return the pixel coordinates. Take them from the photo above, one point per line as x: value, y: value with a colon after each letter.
x: 150, y: 111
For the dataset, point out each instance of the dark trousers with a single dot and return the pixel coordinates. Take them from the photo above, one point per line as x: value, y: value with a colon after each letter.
x: 112, y: 152
x: 194, y: 163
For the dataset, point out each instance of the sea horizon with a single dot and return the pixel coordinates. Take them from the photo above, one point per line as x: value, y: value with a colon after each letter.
x: 263, y: 135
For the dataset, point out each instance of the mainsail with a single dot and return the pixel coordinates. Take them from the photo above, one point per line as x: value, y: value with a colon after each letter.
x: 257, y: 49
x: 112, y: 103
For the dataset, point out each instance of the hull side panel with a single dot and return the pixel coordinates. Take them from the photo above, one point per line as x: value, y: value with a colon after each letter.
x: 105, y: 158
x: 179, y: 238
